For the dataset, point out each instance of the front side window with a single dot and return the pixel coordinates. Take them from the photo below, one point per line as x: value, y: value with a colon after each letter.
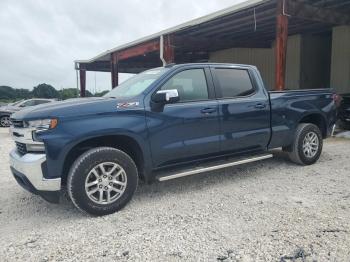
x: 233, y: 82
x: 191, y: 85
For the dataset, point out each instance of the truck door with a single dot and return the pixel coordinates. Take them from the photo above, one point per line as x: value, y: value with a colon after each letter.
x: 244, y: 109
x: 189, y: 128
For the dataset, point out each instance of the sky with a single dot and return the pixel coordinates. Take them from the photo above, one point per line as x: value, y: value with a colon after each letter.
x: 40, y: 39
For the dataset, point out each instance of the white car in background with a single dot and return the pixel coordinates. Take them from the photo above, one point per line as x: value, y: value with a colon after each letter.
x: 6, y: 111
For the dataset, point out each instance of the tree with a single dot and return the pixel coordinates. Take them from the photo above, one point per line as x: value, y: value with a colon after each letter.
x: 88, y: 93
x: 45, y: 91
x: 101, y: 93
x: 72, y: 93
x: 7, y: 92
x: 23, y: 93
x: 68, y: 93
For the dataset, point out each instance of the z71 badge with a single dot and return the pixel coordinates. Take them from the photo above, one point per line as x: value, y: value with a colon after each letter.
x: 127, y: 104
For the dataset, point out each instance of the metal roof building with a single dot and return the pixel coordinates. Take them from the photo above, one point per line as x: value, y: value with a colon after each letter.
x: 294, y: 43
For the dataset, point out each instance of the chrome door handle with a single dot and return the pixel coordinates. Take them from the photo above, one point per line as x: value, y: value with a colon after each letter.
x: 260, y: 106
x: 208, y: 110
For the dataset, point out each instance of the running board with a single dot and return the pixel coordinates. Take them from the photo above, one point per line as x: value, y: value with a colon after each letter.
x: 215, y: 166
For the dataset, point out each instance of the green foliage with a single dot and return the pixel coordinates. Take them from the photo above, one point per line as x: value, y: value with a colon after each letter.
x: 72, y: 93
x: 101, y: 93
x: 23, y: 93
x: 9, y: 94
x: 68, y: 93
x: 88, y: 93
x: 45, y: 91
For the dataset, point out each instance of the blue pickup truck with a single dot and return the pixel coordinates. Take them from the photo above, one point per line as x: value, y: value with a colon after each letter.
x: 161, y: 124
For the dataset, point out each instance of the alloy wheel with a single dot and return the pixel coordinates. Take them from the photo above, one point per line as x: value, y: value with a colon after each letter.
x: 106, y: 183
x: 310, y: 144
x: 5, y: 121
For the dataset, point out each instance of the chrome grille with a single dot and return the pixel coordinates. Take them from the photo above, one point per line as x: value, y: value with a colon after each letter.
x: 21, y: 148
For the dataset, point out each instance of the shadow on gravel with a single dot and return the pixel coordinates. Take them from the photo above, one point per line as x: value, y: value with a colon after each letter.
x: 210, y: 179
x: 34, y: 206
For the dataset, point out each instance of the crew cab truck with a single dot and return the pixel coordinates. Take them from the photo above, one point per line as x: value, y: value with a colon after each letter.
x: 161, y: 124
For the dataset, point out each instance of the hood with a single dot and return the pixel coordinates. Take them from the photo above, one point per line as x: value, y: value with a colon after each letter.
x: 9, y: 108
x: 69, y: 108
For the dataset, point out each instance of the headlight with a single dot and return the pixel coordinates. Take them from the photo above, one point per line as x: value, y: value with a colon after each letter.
x: 43, y: 124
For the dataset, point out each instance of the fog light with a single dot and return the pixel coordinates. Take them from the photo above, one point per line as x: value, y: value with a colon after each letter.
x: 35, y: 147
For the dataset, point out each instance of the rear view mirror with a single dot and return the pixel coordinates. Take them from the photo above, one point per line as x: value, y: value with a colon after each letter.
x: 166, y: 96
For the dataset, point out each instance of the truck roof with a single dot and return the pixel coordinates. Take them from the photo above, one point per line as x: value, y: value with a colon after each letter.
x: 210, y: 64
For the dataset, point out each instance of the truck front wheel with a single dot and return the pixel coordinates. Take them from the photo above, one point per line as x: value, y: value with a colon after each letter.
x: 307, y: 145
x: 102, y: 181
x: 5, y: 121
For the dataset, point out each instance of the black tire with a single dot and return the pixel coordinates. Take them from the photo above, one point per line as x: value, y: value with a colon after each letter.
x: 296, y: 152
x: 4, y: 121
x: 81, y: 168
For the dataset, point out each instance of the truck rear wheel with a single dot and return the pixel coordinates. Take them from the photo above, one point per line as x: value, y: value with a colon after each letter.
x: 307, y: 145
x: 102, y: 181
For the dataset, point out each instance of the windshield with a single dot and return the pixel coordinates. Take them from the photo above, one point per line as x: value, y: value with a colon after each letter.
x: 135, y: 85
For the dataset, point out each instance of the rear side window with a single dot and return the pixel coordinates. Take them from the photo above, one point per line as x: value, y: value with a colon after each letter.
x: 233, y: 82
x: 191, y: 85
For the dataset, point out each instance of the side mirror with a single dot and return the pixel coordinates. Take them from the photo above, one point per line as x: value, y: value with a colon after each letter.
x: 166, y: 96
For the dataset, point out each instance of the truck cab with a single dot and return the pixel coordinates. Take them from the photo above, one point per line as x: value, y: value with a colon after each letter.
x: 161, y: 124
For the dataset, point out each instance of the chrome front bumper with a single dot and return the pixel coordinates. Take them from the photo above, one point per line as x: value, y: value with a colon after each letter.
x: 29, y: 167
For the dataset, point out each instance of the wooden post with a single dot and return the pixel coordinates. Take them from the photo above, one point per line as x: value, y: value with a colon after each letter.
x: 281, y: 45
x: 114, y: 70
x: 82, y: 74
x: 169, y: 54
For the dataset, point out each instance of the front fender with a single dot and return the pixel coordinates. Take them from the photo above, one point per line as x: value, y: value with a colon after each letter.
x: 60, y: 141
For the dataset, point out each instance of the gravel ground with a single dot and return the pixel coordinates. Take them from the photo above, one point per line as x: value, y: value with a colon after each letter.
x: 267, y: 211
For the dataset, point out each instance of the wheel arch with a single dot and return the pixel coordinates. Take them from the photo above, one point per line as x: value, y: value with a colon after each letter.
x: 125, y: 143
x: 318, y: 120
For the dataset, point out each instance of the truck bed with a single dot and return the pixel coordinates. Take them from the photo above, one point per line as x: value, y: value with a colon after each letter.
x: 289, y: 107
